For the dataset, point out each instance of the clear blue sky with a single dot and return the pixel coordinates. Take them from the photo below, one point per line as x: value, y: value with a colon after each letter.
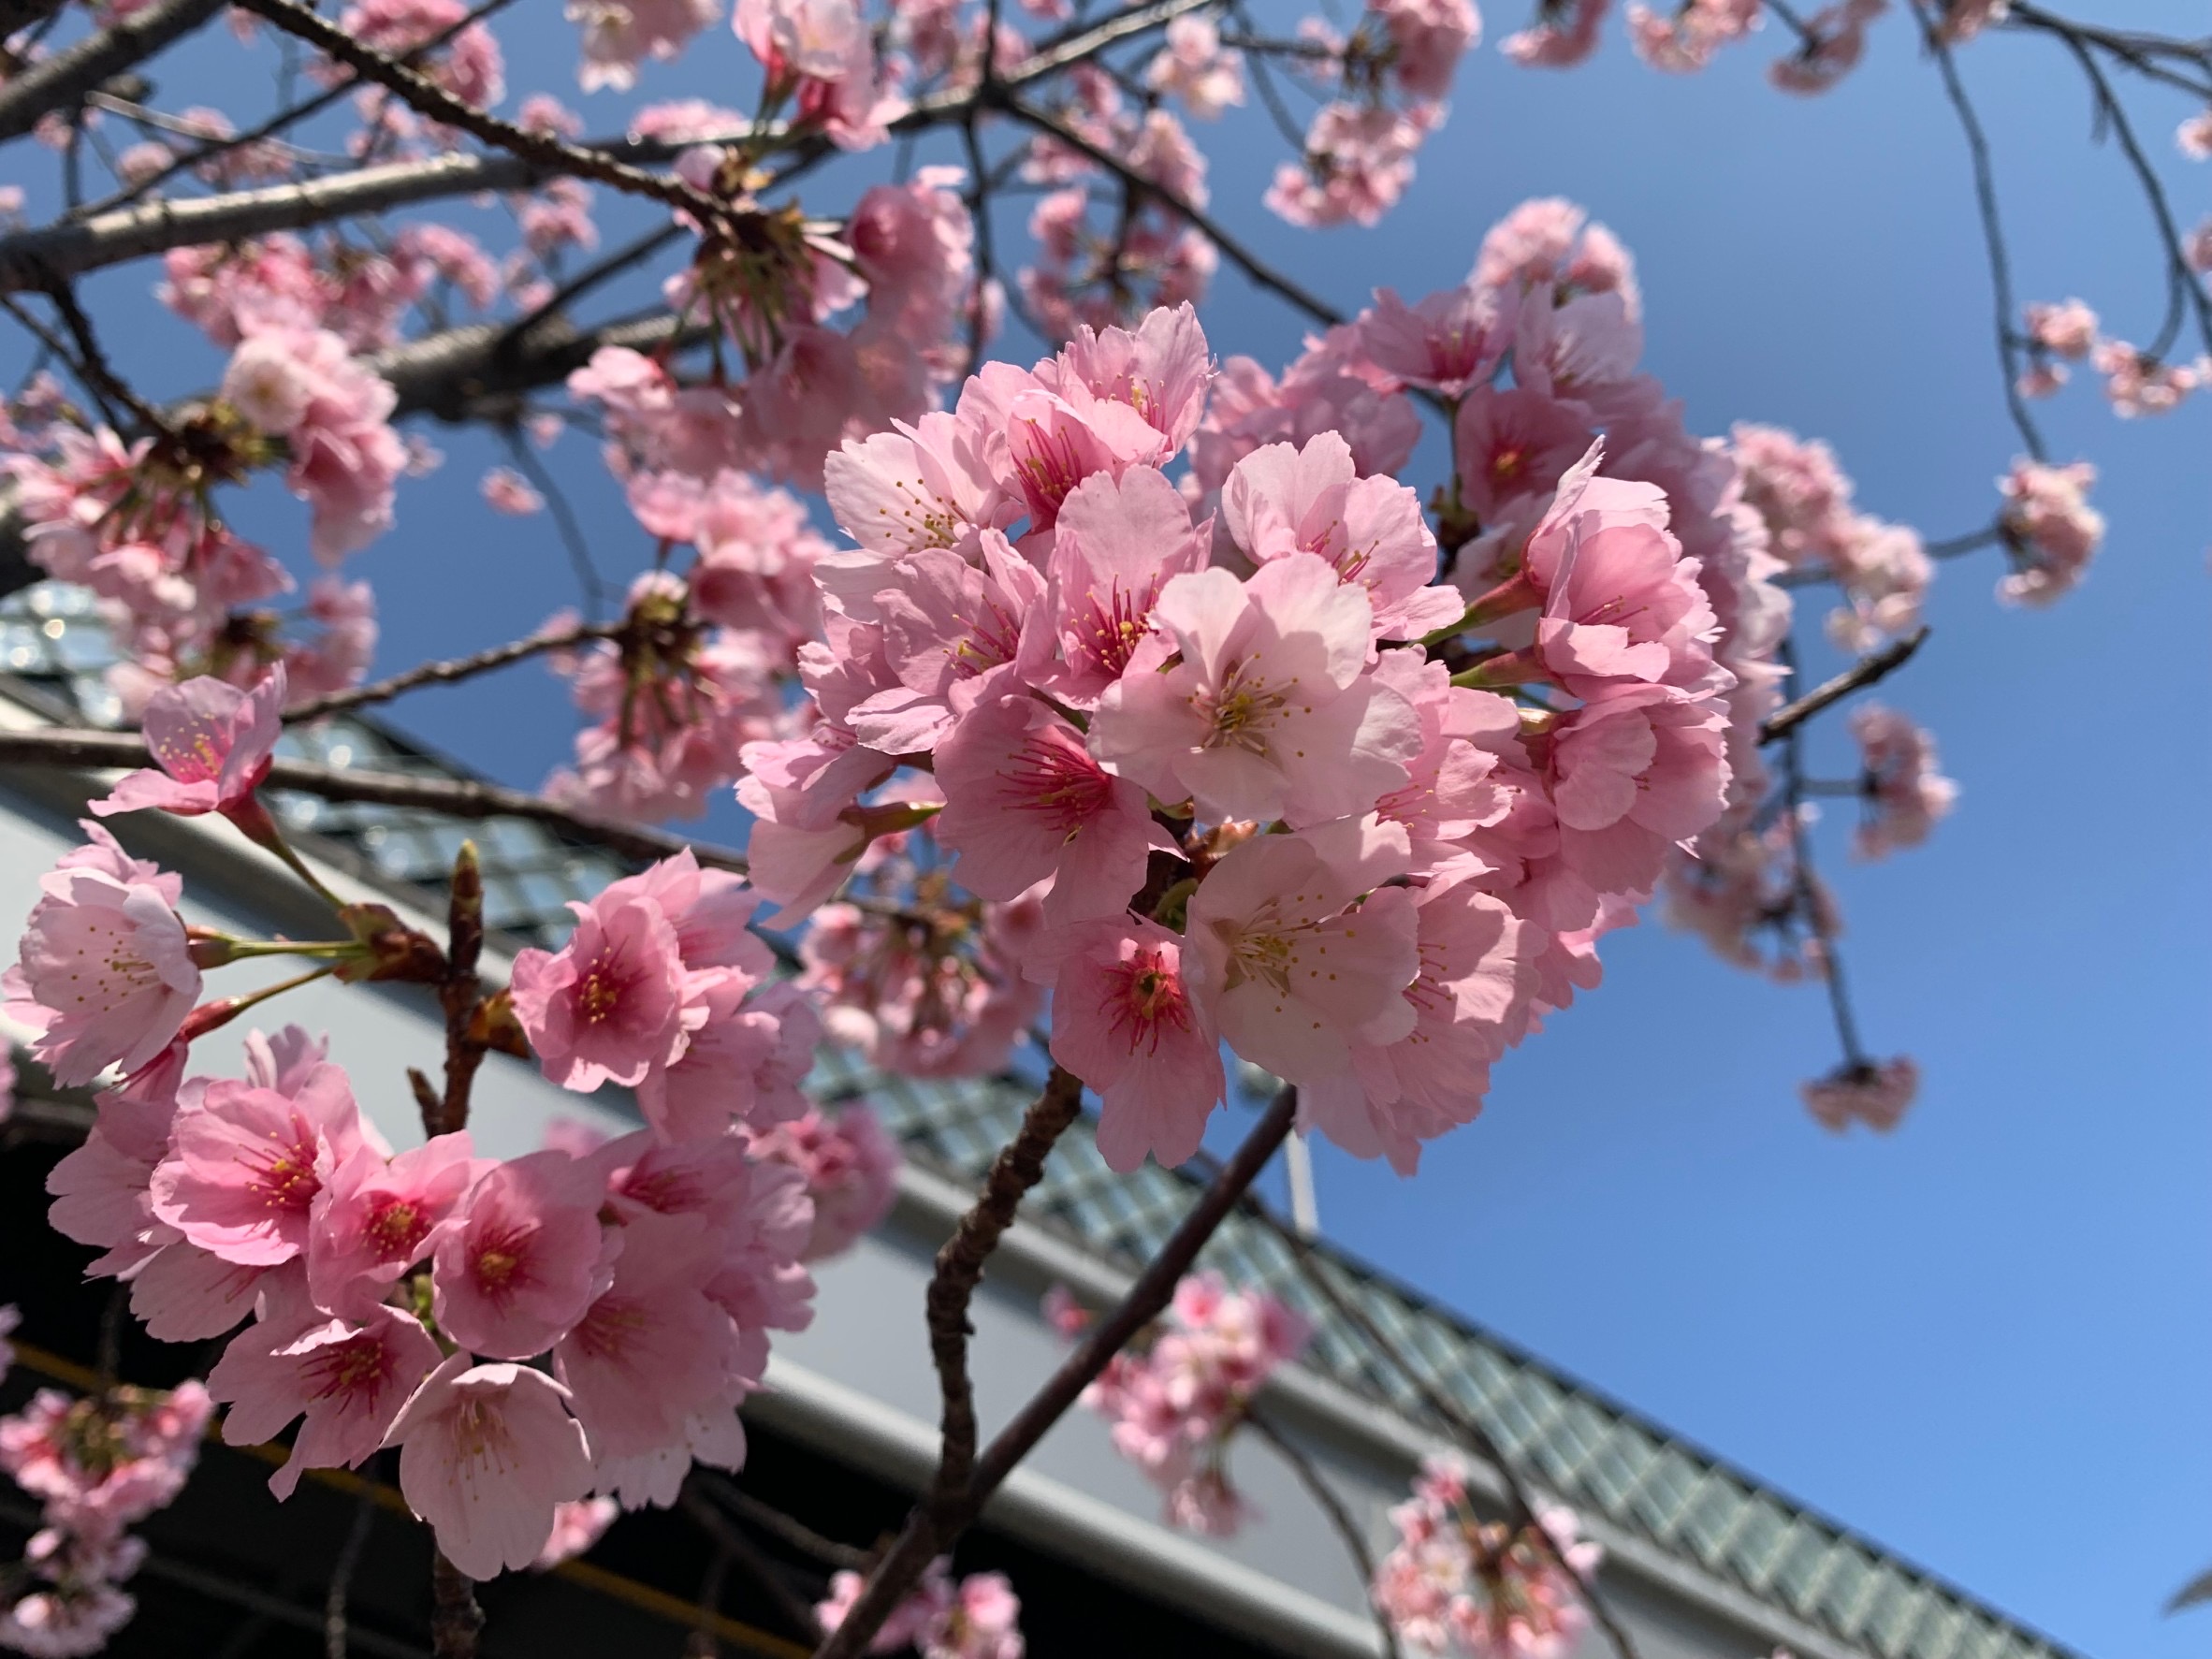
x: 1982, y: 1340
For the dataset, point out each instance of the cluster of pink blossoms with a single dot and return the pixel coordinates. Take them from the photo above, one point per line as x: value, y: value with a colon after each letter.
x: 1876, y: 1093
x: 1176, y: 1404
x: 1904, y: 793
x: 978, y: 1618
x: 578, y: 1320
x: 647, y: 1275
x: 1455, y: 1584
x: 2049, y: 529
x: 1813, y: 527
x: 2135, y: 382
x: 1107, y: 685
x: 1389, y: 75
x: 97, y: 1466
x: 138, y: 524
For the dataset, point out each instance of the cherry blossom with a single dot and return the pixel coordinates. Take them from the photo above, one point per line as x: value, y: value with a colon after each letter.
x: 2050, y: 528
x: 487, y: 1454
x: 1904, y: 792
x: 351, y: 1382
x: 106, y: 974
x: 851, y: 1164
x: 213, y: 745
x: 525, y: 1257
x: 1267, y: 713
x: 1876, y: 1093
x: 1454, y: 1584
x: 1126, y: 1020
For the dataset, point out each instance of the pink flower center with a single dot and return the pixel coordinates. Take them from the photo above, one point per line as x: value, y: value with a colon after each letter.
x: 1240, y: 711
x: 500, y: 1261
x: 1115, y: 626
x: 1057, y: 781
x: 1145, y: 996
x: 284, y: 1175
x: 396, y: 1226
x: 350, y: 1370
x: 599, y: 994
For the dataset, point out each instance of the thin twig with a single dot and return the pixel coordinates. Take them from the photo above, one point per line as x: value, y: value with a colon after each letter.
x: 768, y: 1518
x: 335, y: 1645
x: 1812, y: 912
x: 728, y: 1541
x: 1455, y: 1418
x: 1866, y: 671
x: 2001, y: 273
x: 565, y: 524
x: 343, y: 87
x: 449, y: 671
x: 2183, y: 282
x: 931, y: 1526
x: 1330, y: 1506
x: 1259, y: 273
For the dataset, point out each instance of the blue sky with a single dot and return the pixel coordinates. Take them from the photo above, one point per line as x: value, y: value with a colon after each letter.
x: 1981, y: 1340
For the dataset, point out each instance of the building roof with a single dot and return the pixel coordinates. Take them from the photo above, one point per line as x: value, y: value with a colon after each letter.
x: 1593, y: 1453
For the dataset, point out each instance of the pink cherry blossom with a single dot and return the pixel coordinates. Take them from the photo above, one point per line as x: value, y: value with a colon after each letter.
x: 1116, y: 543
x: 1451, y: 342
x: 1358, y: 160
x: 1282, y: 500
x: 1267, y: 713
x: 373, y: 1218
x: 212, y: 744
x: 850, y: 1163
x: 1192, y: 64
x: 1904, y: 792
x: 350, y: 1380
x: 246, y: 1162
x: 1630, y: 774
x: 2050, y: 529
x: 1127, y: 1021
x: 576, y: 1526
x: 103, y: 1463
x: 106, y: 975
x: 1876, y: 1093
x: 1564, y: 35
x: 652, y: 1351
x: 611, y: 1004
x: 487, y: 1453
x: 1470, y: 1000
x: 1025, y: 802
x: 1837, y: 40
x: 524, y: 1258
x: 1457, y: 1585
x: 1684, y: 42
x: 2067, y: 329
x: 1282, y: 952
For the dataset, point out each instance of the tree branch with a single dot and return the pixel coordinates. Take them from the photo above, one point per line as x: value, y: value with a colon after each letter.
x: 425, y: 97
x: 64, y: 77
x: 1873, y: 666
x: 88, y: 750
x: 451, y: 670
x: 931, y: 1527
x: 1018, y: 1167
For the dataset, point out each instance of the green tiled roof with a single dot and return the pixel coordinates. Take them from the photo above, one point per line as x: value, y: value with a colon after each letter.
x: 1595, y: 1454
